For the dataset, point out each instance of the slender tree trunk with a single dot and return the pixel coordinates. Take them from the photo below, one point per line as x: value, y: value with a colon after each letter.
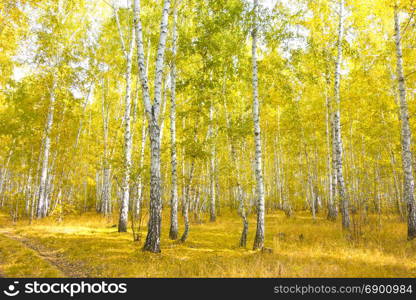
x: 332, y: 210
x: 406, y: 136
x: 4, y: 171
x: 212, y: 213
x: 28, y: 192
x: 173, y: 232
x: 259, y: 238
x: 396, y: 186
x: 186, y: 202
x: 98, y: 191
x: 43, y: 185
x: 106, y: 189
x: 35, y: 188
x: 139, y: 196
x: 343, y: 196
x: 125, y: 200
x: 240, y: 196
x: 312, y: 194
x: 286, y: 205
x: 334, y: 167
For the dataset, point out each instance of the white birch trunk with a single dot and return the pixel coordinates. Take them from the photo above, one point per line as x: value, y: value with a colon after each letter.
x: 43, y: 185
x: 173, y: 232
x: 332, y: 211
x: 124, y: 209
x: 343, y: 197
x: 4, y: 172
x: 259, y: 238
x: 152, y: 243
x: 186, y: 203
x: 139, y: 196
x: 212, y: 214
x: 106, y: 189
x: 406, y: 135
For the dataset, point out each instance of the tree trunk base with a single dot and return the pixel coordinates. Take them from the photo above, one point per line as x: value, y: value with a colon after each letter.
x: 411, y: 222
x: 243, y: 239
x: 332, y: 214
x: 184, y: 236
x: 258, y: 241
x: 151, y: 246
x: 173, y: 233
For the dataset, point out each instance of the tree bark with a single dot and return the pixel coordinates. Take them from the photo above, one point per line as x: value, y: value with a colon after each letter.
x: 259, y: 238
x: 332, y: 210
x: 139, y: 194
x: 125, y: 200
x: 343, y: 196
x: 173, y: 232
x: 43, y: 185
x: 406, y: 136
x: 152, y: 243
x: 212, y: 213
x: 186, y: 202
x: 106, y: 188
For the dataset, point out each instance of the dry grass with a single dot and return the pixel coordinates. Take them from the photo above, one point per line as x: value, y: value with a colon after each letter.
x: 301, y: 247
x: 17, y: 260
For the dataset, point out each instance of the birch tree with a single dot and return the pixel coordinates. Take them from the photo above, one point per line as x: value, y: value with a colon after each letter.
x: 406, y: 134
x: 152, y: 243
x: 212, y: 213
x: 106, y: 189
x: 259, y: 238
x: 173, y: 231
x: 332, y: 209
x: 128, y: 54
x: 343, y: 197
x: 43, y: 185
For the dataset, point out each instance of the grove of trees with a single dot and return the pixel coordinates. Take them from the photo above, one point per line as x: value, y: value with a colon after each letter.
x: 195, y: 107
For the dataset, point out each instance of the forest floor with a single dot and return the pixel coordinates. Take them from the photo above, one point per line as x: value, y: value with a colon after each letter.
x: 90, y: 246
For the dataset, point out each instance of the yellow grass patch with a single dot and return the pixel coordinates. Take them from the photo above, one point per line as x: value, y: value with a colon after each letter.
x: 301, y: 247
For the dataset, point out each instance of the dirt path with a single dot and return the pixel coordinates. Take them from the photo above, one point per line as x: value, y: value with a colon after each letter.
x: 53, y: 257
